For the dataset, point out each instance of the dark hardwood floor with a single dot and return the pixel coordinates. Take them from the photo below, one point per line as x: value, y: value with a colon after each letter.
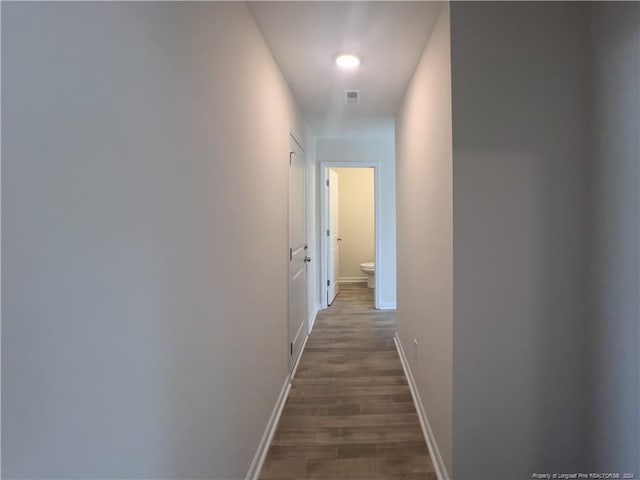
x: 349, y: 414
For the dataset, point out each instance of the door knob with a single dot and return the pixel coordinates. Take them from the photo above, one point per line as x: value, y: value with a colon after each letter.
x: 307, y: 259
x: 339, y: 239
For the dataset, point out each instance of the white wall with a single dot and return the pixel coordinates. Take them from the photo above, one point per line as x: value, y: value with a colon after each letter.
x: 615, y: 233
x: 425, y: 248
x: 145, y: 160
x: 381, y: 150
x: 520, y: 109
x: 515, y: 352
x: 356, y: 213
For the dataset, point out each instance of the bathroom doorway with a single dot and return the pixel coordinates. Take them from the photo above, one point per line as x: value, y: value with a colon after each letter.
x: 349, y: 227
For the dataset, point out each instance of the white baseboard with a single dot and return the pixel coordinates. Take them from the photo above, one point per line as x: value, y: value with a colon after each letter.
x: 434, y: 451
x: 314, y: 315
x: 387, y: 306
x: 267, y: 436
x: 272, y: 424
x: 352, y: 279
x: 295, y: 365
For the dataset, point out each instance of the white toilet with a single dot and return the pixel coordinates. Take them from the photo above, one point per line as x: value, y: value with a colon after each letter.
x: 369, y: 269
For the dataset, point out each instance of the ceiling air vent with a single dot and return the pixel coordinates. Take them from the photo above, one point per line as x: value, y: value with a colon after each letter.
x: 352, y: 96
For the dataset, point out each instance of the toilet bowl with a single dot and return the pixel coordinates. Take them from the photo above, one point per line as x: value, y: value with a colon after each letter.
x: 369, y: 269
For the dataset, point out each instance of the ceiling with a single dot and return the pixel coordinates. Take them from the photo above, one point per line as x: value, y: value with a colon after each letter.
x: 305, y: 37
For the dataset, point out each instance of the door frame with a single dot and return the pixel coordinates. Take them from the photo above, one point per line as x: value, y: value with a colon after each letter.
x: 324, y: 214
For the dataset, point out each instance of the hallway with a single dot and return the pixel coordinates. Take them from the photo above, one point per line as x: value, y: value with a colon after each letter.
x: 349, y: 413
x: 164, y: 240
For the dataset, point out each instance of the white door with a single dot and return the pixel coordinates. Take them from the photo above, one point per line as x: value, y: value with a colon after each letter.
x: 334, y: 251
x: 298, y: 258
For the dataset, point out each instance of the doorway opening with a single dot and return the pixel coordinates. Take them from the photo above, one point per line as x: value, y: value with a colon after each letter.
x: 349, y: 229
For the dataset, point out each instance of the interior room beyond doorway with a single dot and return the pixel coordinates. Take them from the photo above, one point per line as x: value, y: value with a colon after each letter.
x: 351, y: 229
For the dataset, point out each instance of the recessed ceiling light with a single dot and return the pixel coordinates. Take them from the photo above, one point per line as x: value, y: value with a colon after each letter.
x: 347, y: 61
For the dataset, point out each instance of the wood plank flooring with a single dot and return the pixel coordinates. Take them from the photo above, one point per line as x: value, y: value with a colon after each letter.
x: 349, y: 414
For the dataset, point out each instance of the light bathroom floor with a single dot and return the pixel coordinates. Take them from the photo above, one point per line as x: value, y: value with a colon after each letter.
x: 349, y: 414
